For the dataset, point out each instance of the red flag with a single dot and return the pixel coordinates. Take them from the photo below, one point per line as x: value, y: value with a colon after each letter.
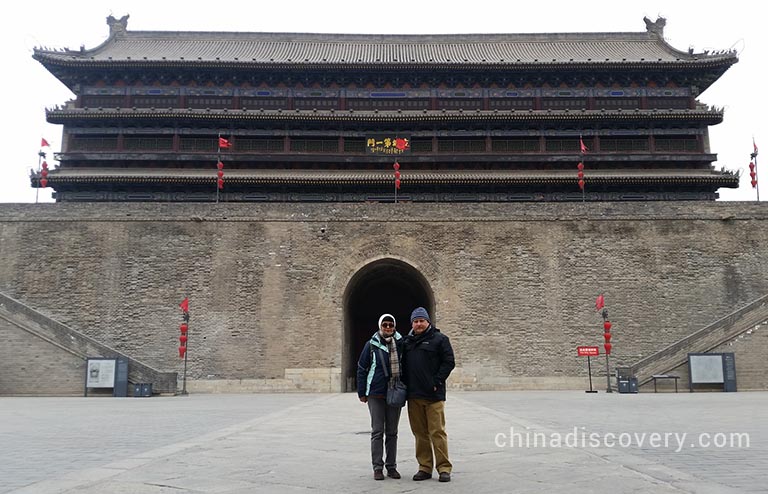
x: 44, y: 144
x: 224, y: 143
x: 600, y: 302
x: 184, y: 305
x: 754, y: 153
x: 582, y: 146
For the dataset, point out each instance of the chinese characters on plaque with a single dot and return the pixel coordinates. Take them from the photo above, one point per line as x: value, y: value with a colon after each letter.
x: 388, y: 145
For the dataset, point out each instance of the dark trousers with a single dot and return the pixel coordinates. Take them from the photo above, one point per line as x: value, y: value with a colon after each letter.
x: 384, y: 421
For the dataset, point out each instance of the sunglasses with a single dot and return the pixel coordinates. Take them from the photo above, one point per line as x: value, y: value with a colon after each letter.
x: 387, y: 325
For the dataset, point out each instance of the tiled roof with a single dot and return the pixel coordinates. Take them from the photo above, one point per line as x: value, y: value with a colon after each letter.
x: 711, y: 116
x: 449, y: 50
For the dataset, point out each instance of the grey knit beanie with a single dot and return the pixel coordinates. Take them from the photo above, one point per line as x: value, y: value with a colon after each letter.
x: 420, y: 313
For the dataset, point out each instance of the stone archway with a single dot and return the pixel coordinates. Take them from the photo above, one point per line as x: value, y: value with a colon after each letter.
x: 382, y: 286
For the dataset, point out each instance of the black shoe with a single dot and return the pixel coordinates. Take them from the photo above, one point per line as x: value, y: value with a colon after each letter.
x: 445, y: 477
x: 393, y: 473
x: 378, y: 475
x: 422, y: 475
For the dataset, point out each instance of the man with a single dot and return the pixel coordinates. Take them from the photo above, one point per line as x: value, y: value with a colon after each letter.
x: 427, y: 362
x: 379, y: 362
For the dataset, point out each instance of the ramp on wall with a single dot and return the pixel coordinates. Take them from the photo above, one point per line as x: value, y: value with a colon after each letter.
x: 711, y: 338
x: 41, y: 356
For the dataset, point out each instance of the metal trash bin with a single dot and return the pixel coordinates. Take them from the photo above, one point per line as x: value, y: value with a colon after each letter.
x: 146, y: 390
x: 142, y: 390
x: 627, y: 382
x: 628, y: 385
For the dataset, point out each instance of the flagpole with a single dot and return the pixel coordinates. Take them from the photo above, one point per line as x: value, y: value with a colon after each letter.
x: 396, y: 167
x: 218, y: 160
x: 40, y: 159
x: 40, y: 155
x: 583, y: 189
x: 395, y: 185
x: 607, y: 358
x: 754, y: 160
x: 184, y: 340
x: 757, y: 186
x: 186, y: 344
x: 582, y: 153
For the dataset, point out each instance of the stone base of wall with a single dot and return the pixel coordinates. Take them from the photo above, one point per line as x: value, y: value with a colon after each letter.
x: 480, y: 378
x: 318, y: 380
x: 329, y: 381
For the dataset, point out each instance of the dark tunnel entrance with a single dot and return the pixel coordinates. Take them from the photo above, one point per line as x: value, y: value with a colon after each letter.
x: 383, y: 286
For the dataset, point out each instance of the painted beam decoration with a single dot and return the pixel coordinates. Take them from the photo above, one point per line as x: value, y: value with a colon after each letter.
x: 388, y: 145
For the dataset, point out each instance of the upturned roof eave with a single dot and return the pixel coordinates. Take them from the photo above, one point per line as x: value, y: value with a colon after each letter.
x: 511, y: 177
x: 710, y: 68
x: 68, y: 60
x: 56, y: 116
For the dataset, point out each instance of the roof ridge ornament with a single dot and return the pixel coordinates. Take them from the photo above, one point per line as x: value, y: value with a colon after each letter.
x: 117, y: 26
x: 657, y: 27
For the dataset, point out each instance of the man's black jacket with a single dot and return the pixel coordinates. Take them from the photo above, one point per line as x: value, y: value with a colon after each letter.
x: 427, y: 362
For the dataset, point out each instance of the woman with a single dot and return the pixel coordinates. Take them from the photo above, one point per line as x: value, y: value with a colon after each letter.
x: 379, y: 362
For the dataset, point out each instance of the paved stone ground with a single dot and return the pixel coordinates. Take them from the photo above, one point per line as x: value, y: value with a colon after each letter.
x: 319, y: 443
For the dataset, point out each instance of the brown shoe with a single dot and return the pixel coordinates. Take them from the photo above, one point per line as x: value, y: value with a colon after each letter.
x: 422, y: 475
x: 445, y: 477
x: 378, y: 475
x: 393, y: 473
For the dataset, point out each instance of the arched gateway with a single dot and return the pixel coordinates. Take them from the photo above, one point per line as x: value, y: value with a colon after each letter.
x: 385, y: 285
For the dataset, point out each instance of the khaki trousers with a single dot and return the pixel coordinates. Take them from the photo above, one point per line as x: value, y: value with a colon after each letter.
x: 427, y: 420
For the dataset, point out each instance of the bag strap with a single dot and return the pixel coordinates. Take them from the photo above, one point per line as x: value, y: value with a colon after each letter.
x: 390, y: 379
x: 383, y: 365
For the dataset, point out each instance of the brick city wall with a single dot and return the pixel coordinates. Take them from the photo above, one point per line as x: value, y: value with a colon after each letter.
x: 513, y: 284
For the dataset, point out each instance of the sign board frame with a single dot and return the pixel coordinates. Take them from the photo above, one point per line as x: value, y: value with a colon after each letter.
x: 588, y: 351
x: 100, y: 373
x: 712, y: 368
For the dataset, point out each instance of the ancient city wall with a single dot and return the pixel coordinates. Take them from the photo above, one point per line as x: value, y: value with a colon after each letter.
x: 513, y: 284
